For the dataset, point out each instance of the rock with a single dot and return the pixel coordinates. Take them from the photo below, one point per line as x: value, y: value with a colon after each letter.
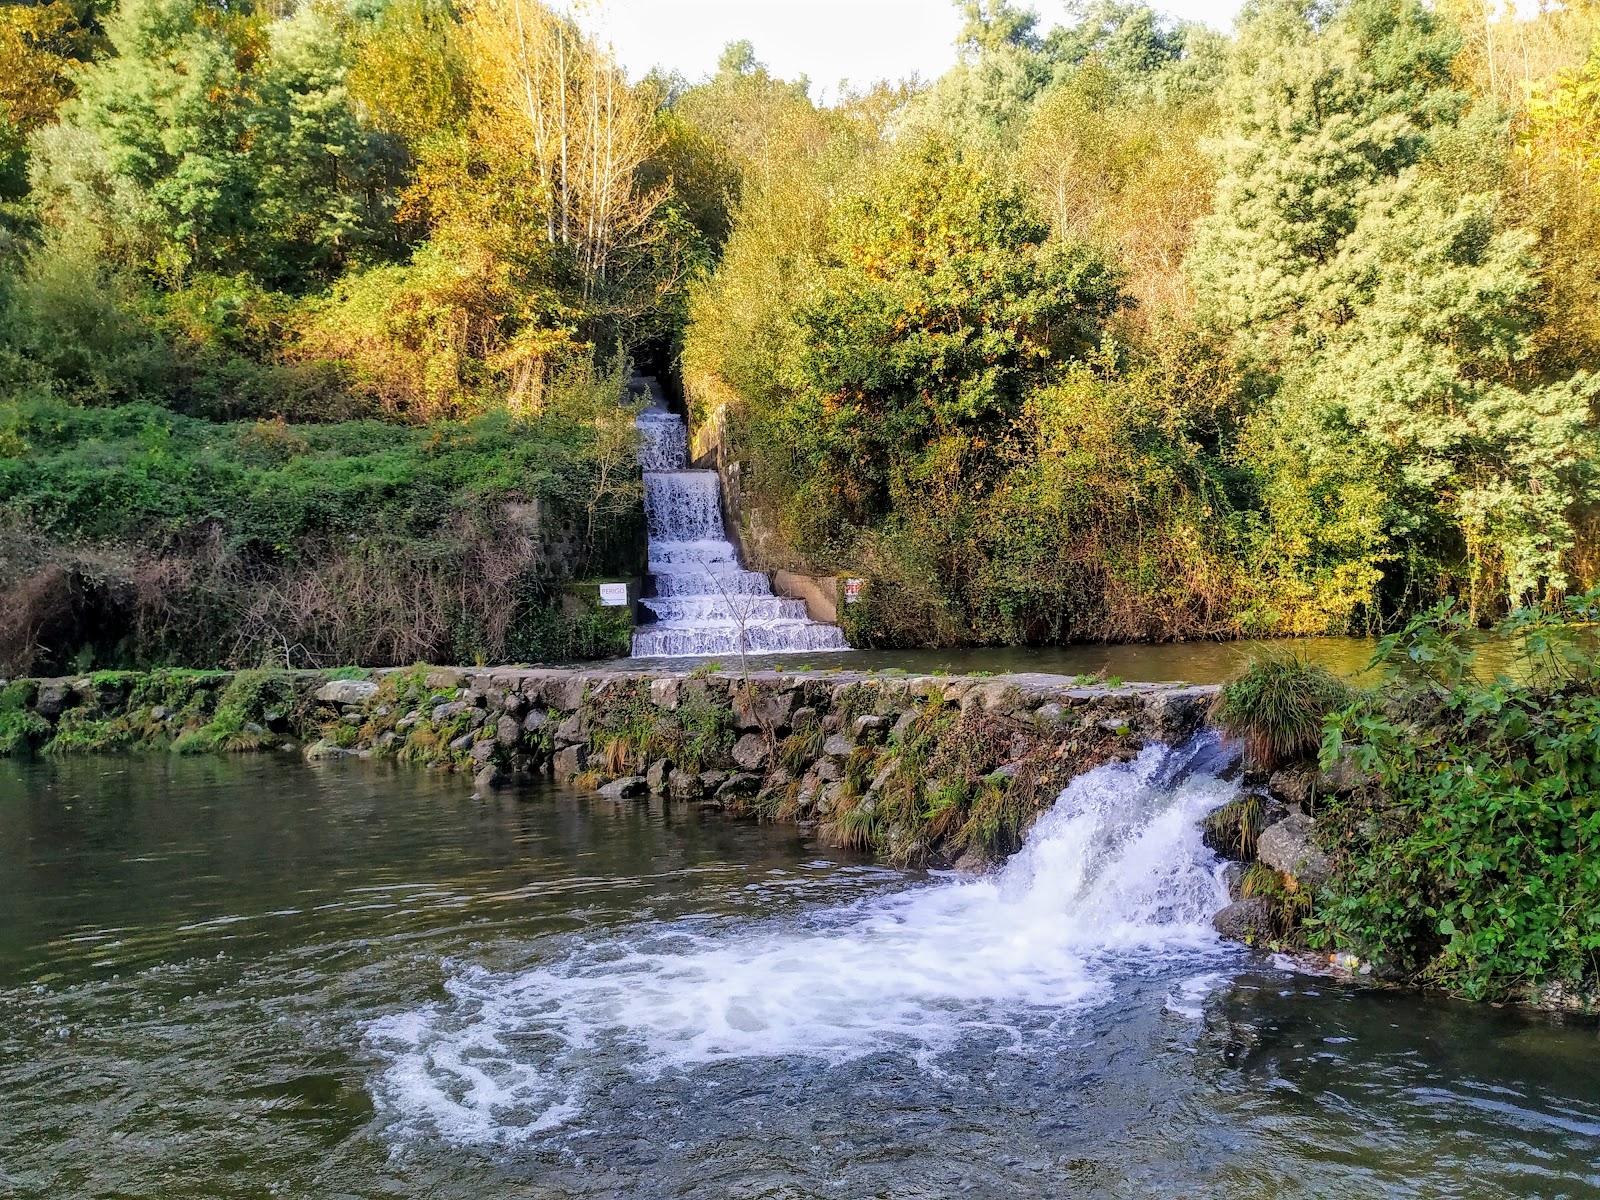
x: 489, y: 777
x: 885, y: 773
x: 1293, y: 785
x: 1290, y: 846
x: 1174, y: 714
x: 442, y: 680
x: 837, y: 746
x: 1342, y: 778
x: 754, y: 709
x: 387, y: 740
x: 1049, y: 714
x: 347, y: 691
x: 464, y: 742
x: 664, y: 692
x: 448, y: 711
x: 407, y: 721
x: 322, y: 750
x: 801, y: 717
x: 1232, y: 829
x: 970, y: 863
x: 867, y: 728
x: 160, y: 712
x: 903, y: 722
x: 1233, y: 879
x: 1248, y: 921
x: 571, y: 729
x: 564, y: 692
x: 656, y: 776
x: 711, y: 780
x: 507, y: 731
x: 750, y: 752
x: 828, y: 770
x: 568, y: 761
x: 52, y: 699
x: 741, y: 784
x: 476, y: 718
x: 483, y: 752
x: 683, y: 785
x: 355, y: 719
x: 513, y: 703
x: 629, y: 787
x: 535, y: 721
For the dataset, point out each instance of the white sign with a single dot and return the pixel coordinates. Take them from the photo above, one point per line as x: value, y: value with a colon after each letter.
x: 852, y: 590
x: 613, y: 595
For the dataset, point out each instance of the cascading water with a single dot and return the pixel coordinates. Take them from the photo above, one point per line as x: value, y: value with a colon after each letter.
x: 1113, y: 881
x: 705, y: 602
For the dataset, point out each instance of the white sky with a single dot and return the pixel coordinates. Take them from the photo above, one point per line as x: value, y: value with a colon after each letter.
x: 826, y: 40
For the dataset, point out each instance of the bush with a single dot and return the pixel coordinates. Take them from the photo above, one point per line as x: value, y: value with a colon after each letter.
x: 1475, y: 862
x: 1277, y: 708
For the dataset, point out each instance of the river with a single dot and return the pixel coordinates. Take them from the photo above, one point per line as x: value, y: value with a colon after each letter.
x: 254, y: 978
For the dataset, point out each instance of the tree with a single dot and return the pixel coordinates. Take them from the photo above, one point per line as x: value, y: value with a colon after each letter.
x: 942, y: 300
x: 1384, y: 299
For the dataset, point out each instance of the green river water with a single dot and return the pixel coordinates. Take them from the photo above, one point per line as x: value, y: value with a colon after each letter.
x: 251, y: 977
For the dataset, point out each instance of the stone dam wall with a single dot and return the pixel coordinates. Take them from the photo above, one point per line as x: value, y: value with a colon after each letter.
x: 923, y: 769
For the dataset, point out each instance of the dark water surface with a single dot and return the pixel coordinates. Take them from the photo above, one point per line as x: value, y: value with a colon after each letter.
x: 253, y: 978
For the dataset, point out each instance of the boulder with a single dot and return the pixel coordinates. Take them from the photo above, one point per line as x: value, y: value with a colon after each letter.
x: 323, y: 750
x: 564, y: 692
x: 1048, y: 714
x: 750, y: 752
x: 535, y: 721
x: 513, y: 703
x: 442, y: 680
x: 664, y: 692
x: 837, y: 746
x: 657, y: 775
x: 464, y: 742
x: 482, y: 752
x: 802, y: 716
x: 868, y: 728
x: 741, y: 784
x: 1290, y: 846
x: 52, y: 699
x: 488, y: 778
x: 571, y: 729
x: 629, y: 787
x: 507, y: 731
x: 903, y: 722
x: 568, y: 761
x: 828, y: 770
x: 447, y: 711
x: 1294, y: 785
x: 347, y: 691
x: 684, y: 785
x: 1248, y: 921
x: 754, y: 709
x: 475, y: 718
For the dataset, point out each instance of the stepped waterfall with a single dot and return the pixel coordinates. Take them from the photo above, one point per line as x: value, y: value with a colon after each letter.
x: 705, y: 602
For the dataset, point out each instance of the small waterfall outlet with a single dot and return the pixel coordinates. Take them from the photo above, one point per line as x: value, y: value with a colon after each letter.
x: 1114, y: 883
x: 705, y: 602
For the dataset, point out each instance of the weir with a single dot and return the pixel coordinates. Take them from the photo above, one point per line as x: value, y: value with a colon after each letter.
x: 705, y: 602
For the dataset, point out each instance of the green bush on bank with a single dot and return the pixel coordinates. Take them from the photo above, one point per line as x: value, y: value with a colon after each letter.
x: 1474, y: 861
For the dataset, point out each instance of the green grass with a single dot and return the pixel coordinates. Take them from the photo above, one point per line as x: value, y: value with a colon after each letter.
x: 1277, y: 708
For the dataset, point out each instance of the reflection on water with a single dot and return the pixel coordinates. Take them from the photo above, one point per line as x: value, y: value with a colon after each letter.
x: 195, y: 955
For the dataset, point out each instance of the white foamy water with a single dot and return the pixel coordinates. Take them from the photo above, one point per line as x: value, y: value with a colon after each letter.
x: 1112, y: 880
x: 705, y: 601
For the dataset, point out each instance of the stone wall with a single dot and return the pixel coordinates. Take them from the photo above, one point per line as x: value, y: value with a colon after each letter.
x: 922, y: 768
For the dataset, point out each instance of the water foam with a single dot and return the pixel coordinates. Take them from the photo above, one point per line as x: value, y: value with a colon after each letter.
x: 1112, y: 879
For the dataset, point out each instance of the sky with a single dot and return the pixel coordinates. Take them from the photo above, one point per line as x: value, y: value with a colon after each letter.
x: 825, y: 40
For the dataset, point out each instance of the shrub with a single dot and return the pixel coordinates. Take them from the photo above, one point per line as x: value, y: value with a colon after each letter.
x: 1277, y: 708
x: 1474, y: 863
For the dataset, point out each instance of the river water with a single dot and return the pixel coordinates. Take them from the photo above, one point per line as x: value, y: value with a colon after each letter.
x: 254, y: 978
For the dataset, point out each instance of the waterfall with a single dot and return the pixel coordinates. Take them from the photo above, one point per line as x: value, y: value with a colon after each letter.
x: 704, y: 598
x: 1114, y: 881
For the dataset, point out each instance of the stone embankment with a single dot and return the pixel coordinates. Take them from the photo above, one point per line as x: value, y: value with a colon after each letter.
x: 921, y: 768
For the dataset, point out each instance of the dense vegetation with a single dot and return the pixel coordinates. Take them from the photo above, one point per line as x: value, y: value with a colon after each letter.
x: 1126, y: 329
x: 1457, y: 802
x: 1473, y: 859
x: 312, y: 311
